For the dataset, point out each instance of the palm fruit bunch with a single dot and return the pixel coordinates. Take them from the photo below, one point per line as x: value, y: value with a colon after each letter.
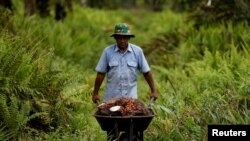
x: 123, y: 106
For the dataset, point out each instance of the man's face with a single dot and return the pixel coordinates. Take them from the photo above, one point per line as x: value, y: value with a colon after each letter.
x: 122, y: 41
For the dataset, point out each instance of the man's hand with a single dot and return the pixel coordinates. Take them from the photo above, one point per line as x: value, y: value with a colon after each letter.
x: 154, y: 96
x: 95, y: 98
x: 149, y: 78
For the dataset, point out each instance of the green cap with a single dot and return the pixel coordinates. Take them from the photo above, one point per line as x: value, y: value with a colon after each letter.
x: 122, y: 29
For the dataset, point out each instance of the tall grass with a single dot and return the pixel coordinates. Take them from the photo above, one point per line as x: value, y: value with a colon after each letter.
x: 206, y: 80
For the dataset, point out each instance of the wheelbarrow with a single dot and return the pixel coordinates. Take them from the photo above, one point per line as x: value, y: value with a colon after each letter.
x: 125, y: 128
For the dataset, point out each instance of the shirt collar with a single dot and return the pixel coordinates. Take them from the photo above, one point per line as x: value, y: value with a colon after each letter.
x: 128, y: 49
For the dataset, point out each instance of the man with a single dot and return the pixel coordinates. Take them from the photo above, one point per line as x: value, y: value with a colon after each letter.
x: 120, y: 62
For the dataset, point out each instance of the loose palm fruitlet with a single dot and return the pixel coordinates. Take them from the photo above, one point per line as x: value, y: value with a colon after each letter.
x: 128, y: 107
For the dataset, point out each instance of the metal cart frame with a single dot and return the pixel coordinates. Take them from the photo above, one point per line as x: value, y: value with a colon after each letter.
x: 132, y: 126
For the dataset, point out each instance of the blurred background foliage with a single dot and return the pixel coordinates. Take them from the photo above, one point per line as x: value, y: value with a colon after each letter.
x: 198, y: 52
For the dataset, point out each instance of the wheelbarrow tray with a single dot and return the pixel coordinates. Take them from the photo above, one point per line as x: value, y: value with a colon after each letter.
x: 123, y: 123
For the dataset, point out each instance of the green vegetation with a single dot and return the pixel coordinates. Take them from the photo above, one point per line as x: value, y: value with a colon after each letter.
x: 47, y: 73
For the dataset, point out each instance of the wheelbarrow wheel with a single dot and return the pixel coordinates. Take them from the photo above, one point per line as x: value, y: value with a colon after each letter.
x: 136, y: 137
x: 139, y: 136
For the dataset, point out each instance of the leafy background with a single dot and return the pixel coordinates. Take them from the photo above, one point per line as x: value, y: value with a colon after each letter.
x: 199, y: 56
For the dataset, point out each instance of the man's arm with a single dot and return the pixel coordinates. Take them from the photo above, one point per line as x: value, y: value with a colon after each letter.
x: 98, y: 82
x: 149, y: 78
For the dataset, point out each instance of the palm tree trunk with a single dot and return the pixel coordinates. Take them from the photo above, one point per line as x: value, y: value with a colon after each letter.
x: 30, y: 7
x: 129, y: 3
x: 69, y: 4
x: 43, y: 7
x: 60, y: 12
x: 6, y: 4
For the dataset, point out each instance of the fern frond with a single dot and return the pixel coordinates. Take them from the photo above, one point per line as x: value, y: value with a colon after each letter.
x: 4, y: 114
x: 5, y: 135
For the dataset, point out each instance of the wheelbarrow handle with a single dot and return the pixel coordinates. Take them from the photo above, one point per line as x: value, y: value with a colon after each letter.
x: 151, y: 102
x: 98, y: 102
